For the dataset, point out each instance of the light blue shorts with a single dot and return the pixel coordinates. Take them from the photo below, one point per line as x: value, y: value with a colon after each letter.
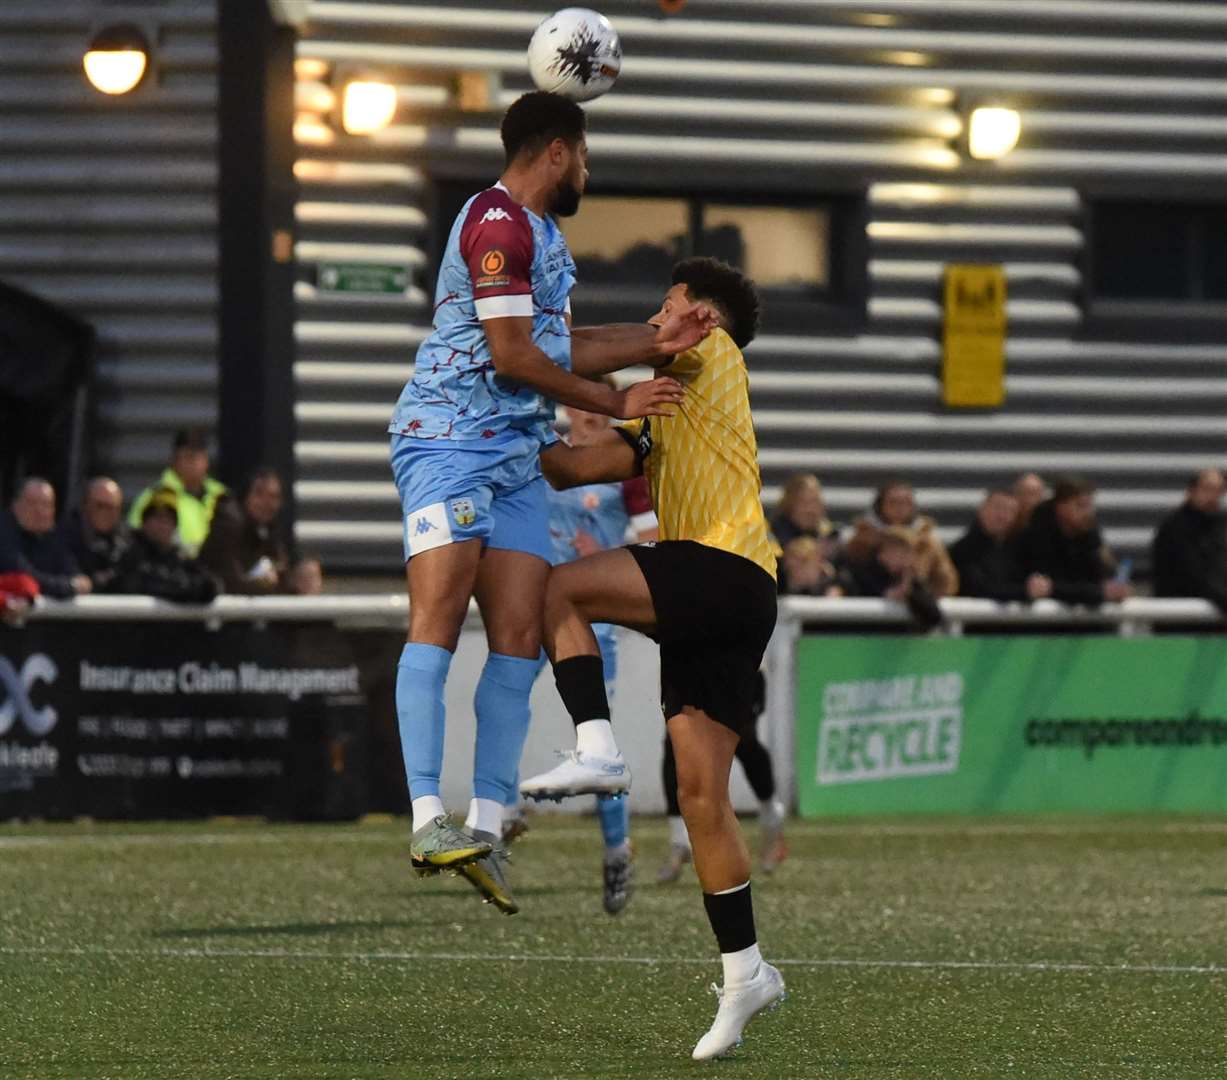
x: 493, y: 492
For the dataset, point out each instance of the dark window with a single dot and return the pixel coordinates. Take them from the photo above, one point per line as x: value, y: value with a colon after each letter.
x: 807, y: 258
x: 1153, y: 251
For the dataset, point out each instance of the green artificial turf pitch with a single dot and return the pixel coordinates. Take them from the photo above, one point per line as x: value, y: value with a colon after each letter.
x: 911, y: 949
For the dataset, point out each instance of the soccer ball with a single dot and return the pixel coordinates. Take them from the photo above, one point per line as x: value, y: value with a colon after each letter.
x: 575, y: 53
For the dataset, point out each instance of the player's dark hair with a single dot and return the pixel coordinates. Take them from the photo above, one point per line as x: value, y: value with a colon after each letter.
x: 727, y: 288
x: 536, y: 119
x: 1071, y: 487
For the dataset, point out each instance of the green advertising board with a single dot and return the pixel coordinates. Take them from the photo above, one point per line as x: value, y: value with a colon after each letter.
x: 889, y: 725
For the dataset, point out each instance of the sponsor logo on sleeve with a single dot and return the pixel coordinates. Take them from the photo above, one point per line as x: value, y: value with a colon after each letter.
x: 493, y: 263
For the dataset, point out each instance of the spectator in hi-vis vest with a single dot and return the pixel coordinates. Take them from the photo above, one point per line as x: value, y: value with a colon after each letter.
x: 196, y: 493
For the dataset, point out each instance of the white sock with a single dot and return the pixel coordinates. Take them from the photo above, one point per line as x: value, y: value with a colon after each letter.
x: 596, y: 737
x: 425, y: 809
x: 618, y: 851
x: 485, y: 815
x: 678, y: 836
x: 770, y: 813
x: 740, y: 967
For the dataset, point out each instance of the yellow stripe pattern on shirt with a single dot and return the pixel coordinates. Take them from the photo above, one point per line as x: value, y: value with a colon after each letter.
x: 703, y: 468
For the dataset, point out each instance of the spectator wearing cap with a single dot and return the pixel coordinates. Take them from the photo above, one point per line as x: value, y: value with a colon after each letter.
x: 894, y: 507
x: 96, y: 533
x: 986, y: 555
x: 246, y: 549
x: 1189, y: 552
x: 802, y: 511
x: 1062, y: 543
x: 155, y: 565
x: 196, y: 492
x: 30, y: 545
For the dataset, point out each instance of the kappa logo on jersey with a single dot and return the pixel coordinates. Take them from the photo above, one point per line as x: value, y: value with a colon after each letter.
x: 464, y: 512
x: 495, y: 213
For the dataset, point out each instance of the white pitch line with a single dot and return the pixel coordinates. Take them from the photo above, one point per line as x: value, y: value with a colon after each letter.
x: 1037, y: 966
x: 850, y: 829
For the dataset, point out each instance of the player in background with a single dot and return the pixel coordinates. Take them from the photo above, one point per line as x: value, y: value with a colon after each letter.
x: 465, y: 440
x: 756, y: 764
x: 583, y: 521
x: 706, y: 591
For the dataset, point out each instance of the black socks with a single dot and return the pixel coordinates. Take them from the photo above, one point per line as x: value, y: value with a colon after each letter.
x: 581, y: 685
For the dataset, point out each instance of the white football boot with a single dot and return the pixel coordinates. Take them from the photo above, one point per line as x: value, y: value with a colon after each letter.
x: 579, y: 774
x: 738, y: 1005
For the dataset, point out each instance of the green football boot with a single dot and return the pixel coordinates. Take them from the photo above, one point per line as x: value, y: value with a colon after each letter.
x: 488, y: 876
x: 439, y: 845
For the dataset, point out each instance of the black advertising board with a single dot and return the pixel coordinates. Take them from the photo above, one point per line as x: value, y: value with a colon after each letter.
x: 161, y: 720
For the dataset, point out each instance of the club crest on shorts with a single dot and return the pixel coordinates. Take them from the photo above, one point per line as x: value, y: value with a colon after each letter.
x: 463, y: 512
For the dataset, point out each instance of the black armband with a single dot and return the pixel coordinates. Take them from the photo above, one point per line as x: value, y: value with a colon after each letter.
x: 641, y: 443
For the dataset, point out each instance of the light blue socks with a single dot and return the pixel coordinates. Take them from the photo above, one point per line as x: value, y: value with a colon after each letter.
x: 420, y: 676
x: 501, y: 704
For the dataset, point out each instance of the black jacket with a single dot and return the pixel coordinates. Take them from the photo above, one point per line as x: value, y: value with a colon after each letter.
x: 97, y: 554
x: 873, y: 579
x: 41, y: 555
x: 148, y: 570
x: 1076, y: 564
x: 235, y: 544
x: 988, y: 567
x: 1189, y: 556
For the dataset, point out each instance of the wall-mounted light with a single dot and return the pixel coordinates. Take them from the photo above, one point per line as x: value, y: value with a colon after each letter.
x: 992, y: 132
x: 367, y: 106
x: 117, y: 59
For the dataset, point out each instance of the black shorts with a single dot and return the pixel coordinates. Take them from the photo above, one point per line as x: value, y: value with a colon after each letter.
x: 715, y: 613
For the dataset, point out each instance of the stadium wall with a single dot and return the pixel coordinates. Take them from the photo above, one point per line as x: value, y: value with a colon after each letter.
x: 787, y: 101
x: 108, y: 208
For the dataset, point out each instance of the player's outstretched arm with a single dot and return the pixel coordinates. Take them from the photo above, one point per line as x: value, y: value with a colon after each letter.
x: 598, y: 350
x: 517, y: 358
x: 608, y: 459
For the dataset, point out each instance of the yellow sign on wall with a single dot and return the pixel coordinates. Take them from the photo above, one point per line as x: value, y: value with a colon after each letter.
x: 973, y: 336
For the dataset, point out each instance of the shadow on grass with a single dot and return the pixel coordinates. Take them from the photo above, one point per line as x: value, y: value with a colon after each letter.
x: 1213, y: 892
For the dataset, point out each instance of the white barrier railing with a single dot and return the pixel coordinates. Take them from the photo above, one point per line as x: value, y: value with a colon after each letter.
x: 1132, y: 617
x: 392, y: 609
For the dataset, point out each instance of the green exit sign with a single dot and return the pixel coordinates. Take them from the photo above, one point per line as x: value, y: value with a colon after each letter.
x: 363, y: 278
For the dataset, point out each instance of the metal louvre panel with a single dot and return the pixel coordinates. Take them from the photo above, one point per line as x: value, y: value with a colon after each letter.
x: 108, y: 208
x: 806, y: 97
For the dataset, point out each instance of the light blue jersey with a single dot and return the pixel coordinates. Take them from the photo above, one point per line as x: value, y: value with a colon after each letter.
x: 501, y: 260
x: 599, y: 510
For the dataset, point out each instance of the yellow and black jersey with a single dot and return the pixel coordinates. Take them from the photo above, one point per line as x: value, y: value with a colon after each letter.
x: 703, y: 462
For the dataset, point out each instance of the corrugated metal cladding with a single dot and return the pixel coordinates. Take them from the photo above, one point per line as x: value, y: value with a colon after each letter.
x: 107, y: 208
x: 801, y: 97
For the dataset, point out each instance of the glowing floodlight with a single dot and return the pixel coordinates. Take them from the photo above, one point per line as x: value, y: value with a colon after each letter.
x: 117, y: 59
x: 993, y: 132
x: 367, y: 107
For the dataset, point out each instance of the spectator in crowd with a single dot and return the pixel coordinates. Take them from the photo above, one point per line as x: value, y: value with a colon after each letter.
x: 307, y: 576
x: 1030, y: 490
x: 30, y: 545
x: 1062, y: 543
x: 246, y: 550
x: 1189, y: 553
x: 96, y: 534
x: 805, y: 570
x: 889, y: 571
x: 196, y: 492
x: 155, y: 565
x: 895, y: 507
x: 802, y: 511
x: 986, y: 556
